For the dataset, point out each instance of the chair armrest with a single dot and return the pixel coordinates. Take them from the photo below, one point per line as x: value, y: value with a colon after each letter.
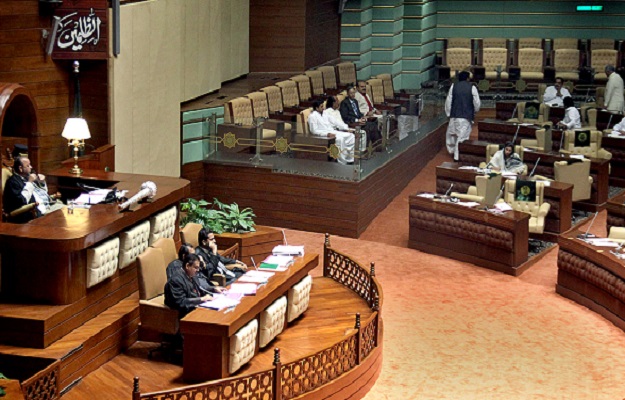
x: 530, y: 143
x: 231, y: 252
x: 602, y: 153
x: 472, y: 191
x: 590, y: 180
x: 478, y: 199
x: 542, y: 178
x: 218, y: 280
x: 543, y: 210
x: 23, y: 209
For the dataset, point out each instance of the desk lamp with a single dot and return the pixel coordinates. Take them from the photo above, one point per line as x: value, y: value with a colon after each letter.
x: 76, y: 131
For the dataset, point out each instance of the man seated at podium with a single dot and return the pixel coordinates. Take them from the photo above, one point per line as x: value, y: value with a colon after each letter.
x: 506, y: 160
x: 213, y: 262
x: 181, y: 290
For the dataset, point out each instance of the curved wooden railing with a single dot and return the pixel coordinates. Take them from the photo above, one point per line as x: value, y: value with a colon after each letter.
x: 287, y: 381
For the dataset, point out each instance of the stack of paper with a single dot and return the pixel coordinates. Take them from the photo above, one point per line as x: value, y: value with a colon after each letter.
x: 221, y: 301
x: 284, y: 250
x: 257, y: 277
x: 246, y: 289
x: 276, y: 263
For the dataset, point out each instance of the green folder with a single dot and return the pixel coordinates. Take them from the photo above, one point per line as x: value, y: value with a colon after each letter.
x: 264, y: 265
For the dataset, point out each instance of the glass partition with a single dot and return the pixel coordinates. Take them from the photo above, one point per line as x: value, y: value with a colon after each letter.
x: 265, y: 142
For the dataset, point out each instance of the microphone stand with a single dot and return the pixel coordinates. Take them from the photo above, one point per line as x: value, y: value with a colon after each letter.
x: 585, y: 235
x: 535, y: 165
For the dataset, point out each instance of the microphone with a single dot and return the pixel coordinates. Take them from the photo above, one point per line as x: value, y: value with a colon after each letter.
x: 610, y: 121
x: 514, y: 111
x: 585, y: 235
x: 587, y: 99
x: 561, y: 141
x: 535, y: 165
x: 449, y: 190
x: 500, y: 194
x: 148, y: 190
x: 518, y: 127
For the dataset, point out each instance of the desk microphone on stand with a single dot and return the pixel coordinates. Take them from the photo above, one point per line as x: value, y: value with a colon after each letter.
x: 587, y: 235
x: 561, y: 141
x: 449, y: 190
x: 535, y: 165
x: 518, y: 128
x: 610, y: 120
x: 514, y: 111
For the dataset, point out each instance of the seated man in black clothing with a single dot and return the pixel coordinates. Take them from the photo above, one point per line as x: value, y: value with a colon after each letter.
x: 181, y: 291
x: 352, y: 116
x: 176, y: 267
x: 215, y: 263
x: 19, y: 190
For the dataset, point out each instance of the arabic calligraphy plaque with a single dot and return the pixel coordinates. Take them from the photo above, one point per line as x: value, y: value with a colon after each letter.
x: 83, y: 30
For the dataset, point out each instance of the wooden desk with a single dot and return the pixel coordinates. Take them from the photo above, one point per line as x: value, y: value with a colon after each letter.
x: 616, y: 211
x: 207, y: 333
x: 616, y: 146
x: 599, y: 170
x: 558, y: 194
x: 501, y: 132
x: 592, y: 277
x: 45, y: 260
x: 497, y: 242
x: 504, y: 110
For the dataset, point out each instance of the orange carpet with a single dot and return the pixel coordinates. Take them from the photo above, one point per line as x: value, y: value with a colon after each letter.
x: 453, y: 330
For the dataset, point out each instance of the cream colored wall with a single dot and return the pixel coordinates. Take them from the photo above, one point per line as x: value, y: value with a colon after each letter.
x: 171, y: 51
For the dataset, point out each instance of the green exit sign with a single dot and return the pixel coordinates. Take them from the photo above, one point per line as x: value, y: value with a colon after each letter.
x: 590, y: 8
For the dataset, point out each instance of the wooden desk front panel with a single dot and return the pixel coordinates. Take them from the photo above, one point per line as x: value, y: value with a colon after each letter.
x: 45, y: 259
x: 493, y: 241
x: 615, y: 146
x: 501, y: 132
x: 207, y: 333
x: 559, y: 195
x: 616, y: 211
x: 592, y: 277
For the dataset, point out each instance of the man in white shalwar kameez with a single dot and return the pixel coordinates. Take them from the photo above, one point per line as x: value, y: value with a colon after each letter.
x: 320, y: 126
x: 462, y: 102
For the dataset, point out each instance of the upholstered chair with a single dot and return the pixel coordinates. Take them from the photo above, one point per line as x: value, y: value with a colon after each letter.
x: 577, y: 174
x: 157, y: 320
x: 163, y: 224
x: 290, y: 94
x: 168, y: 248
x: 566, y: 64
x: 260, y: 108
x: 525, y: 114
x: 303, y: 86
x: 346, y: 73
x: 485, y: 191
x: 491, y: 149
x: 239, y: 112
x: 617, y: 233
x: 493, y: 58
x: 329, y: 77
x: 599, y: 59
x: 602, y: 44
x: 543, y: 141
x: 316, y: 81
x: 593, y: 150
x: 565, y: 43
x: 537, y: 209
x: 458, y: 59
x: 243, y: 346
x: 189, y: 233
x: 494, y: 43
x: 531, y: 63
x: 459, y: 42
x: 530, y: 43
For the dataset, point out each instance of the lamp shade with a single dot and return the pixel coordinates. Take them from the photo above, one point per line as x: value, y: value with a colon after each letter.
x: 76, y: 128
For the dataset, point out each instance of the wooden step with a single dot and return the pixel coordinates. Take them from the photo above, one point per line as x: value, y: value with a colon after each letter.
x: 38, y: 326
x: 92, y: 344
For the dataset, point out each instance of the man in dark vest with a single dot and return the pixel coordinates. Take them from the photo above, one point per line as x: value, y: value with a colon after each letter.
x: 463, y: 101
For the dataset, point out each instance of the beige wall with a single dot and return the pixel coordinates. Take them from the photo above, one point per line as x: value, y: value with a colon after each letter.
x: 171, y: 51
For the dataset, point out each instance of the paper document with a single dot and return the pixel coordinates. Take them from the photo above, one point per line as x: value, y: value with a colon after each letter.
x: 276, y: 263
x: 256, y: 277
x: 221, y: 301
x: 426, y: 195
x: 469, y: 168
x: 503, y: 207
x: 578, y: 156
x: 602, y: 242
x: 468, y: 203
x: 246, y: 289
x: 282, y: 250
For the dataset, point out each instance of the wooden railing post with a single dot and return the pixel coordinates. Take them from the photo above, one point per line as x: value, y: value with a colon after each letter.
x: 371, y: 285
x: 358, y: 339
x: 136, y: 393
x: 326, y: 256
x: 277, y: 375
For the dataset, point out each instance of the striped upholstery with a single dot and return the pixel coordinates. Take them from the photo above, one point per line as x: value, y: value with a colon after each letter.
x: 239, y: 111
x: 565, y: 43
x: 494, y: 57
x: 329, y: 76
x: 347, y: 73
x: 566, y: 63
x: 600, y: 58
x: 260, y: 107
x: 530, y: 43
x: 303, y: 86
x: 494, y: 42
x: 459, y: 43
x: 102, y: 261
x: 531, y: 63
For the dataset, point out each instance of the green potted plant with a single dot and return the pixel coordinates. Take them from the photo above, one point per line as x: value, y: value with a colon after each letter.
x: 196, y: 211
x: 233, y: 219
